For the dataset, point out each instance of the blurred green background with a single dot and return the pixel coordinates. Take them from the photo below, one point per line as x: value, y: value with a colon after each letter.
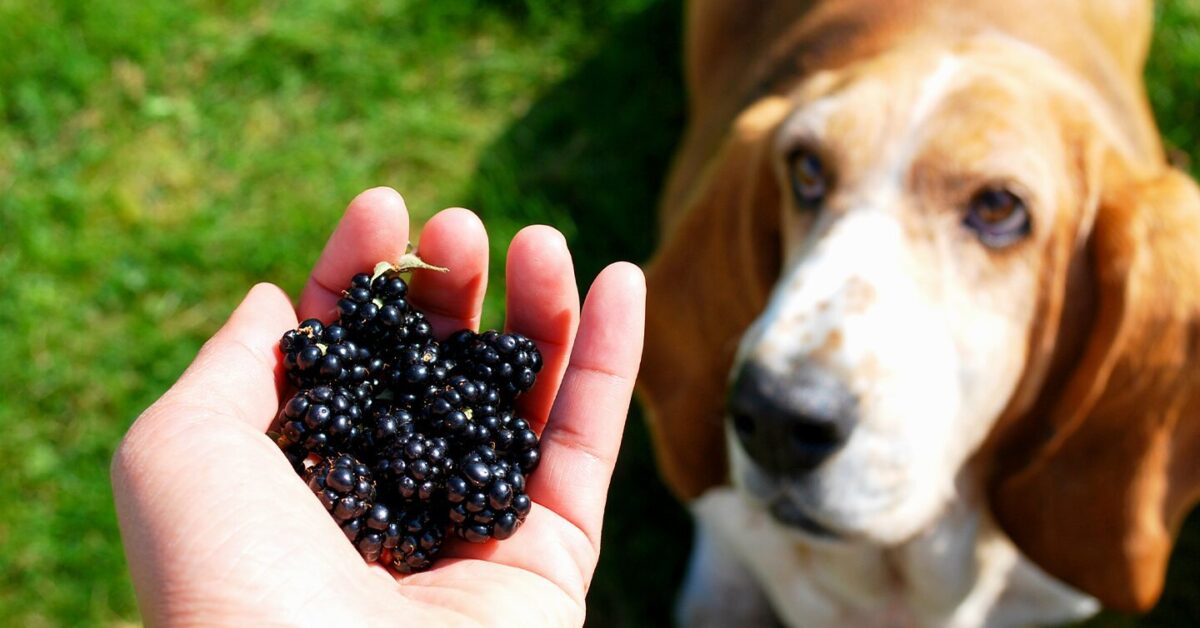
x: 159, y: 157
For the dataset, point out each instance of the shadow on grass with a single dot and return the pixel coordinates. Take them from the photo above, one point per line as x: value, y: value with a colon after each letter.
x: 589, y: 157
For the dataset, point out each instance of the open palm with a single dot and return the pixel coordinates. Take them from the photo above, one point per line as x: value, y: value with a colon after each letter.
x: 219, y: 529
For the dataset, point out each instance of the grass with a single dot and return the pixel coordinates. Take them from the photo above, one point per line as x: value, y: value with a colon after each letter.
x: 157, y: 158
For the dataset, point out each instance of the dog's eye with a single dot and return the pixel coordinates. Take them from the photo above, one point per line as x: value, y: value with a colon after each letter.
x: 998, y: 216
x: 808, y: 179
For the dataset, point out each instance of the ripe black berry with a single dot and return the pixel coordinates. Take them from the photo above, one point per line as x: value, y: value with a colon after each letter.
x: 416, y: 466
x: 377, y: 311
x: 415, y: 540
x: 343, y: 485
x: 321, y: 420
x: 487, y: 497
x: 413, y: 367
x: 369, y: 312
x: 517, y: 442
x: 315, y: 354
x: 459, y: 410
x: 370, y: 531
x: 385, y: 425
x: 509, y: 361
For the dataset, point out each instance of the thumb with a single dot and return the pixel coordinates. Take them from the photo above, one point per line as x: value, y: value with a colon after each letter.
x: 205, y: 502
x: 237, y: 372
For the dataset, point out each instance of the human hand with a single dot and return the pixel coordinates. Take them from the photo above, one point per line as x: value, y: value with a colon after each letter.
x: 218, y: 528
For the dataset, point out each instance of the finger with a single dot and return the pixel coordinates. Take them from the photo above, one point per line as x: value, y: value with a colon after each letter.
x: 373, y: 229
x: 454, y: 239
x: 543, y: 305
x: 579, y: 446
x: 238, y: 372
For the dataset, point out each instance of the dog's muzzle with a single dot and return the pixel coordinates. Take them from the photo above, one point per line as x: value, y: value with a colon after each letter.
x: 790, y: 423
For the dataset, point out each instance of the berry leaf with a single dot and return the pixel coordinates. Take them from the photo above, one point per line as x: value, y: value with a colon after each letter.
x: 406, y: 263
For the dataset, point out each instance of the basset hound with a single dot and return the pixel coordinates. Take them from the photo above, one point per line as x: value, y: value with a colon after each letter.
x: 923, y: 339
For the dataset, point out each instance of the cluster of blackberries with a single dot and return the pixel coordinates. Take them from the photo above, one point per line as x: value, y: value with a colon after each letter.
x: 403, y: 438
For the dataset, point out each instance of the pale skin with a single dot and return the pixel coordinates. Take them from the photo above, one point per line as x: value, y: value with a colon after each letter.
x: 219, y: 530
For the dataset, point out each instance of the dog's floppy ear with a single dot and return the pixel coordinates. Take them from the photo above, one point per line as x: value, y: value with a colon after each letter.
x: 1116, y: 465
x: 718, y: 257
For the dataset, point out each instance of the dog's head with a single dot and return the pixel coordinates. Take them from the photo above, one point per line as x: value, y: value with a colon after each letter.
x: 938, y: 266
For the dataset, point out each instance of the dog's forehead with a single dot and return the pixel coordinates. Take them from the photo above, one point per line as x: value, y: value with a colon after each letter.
x: 919, y: 92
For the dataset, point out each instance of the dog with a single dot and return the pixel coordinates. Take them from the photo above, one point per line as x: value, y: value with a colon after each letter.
x: 922, y: 327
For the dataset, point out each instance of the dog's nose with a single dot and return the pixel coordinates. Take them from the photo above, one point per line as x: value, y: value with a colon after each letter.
x: 793, y: 422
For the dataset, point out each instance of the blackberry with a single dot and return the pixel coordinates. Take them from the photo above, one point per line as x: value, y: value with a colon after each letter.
x: 517, y: 442
x: 414, y: 366
x: 508, y: 361
x: 361, y: 393
x: 414, y: 540
x: 369, y: 531
x: 385, y: 425
x: 415, y: 329
x: 314, y: 353
x: 487, y: 497
x: 322, y: 420
x: 377, y: 310
x: 416, y: 466
x: 459, y: 408
x: 360, y: 306
x: 344, y: 486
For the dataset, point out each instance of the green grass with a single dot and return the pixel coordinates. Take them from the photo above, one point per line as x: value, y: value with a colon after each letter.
x: 157, y: 158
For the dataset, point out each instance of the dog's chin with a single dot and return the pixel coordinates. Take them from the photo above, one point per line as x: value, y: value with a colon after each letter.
x: 817, y: 523
x: 768, y: 493
x: 834, y: 505
x: 789, y: 514
x: 817, y: 514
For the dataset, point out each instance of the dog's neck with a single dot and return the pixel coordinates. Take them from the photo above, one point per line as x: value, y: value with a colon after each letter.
x: 965, y: 571
x: 962, y: 571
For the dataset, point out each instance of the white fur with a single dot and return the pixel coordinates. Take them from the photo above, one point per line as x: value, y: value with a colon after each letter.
x: 962, y: 572
x: 720, y: 591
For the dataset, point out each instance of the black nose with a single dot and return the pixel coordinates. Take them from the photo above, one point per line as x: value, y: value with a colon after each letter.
x: 790, y: 423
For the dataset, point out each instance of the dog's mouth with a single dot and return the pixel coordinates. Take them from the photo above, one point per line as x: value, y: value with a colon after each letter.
x: 787, y: 512
x: 782, y: 507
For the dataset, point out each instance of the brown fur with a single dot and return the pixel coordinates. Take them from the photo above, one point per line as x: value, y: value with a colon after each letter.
x: 1098, y: 482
